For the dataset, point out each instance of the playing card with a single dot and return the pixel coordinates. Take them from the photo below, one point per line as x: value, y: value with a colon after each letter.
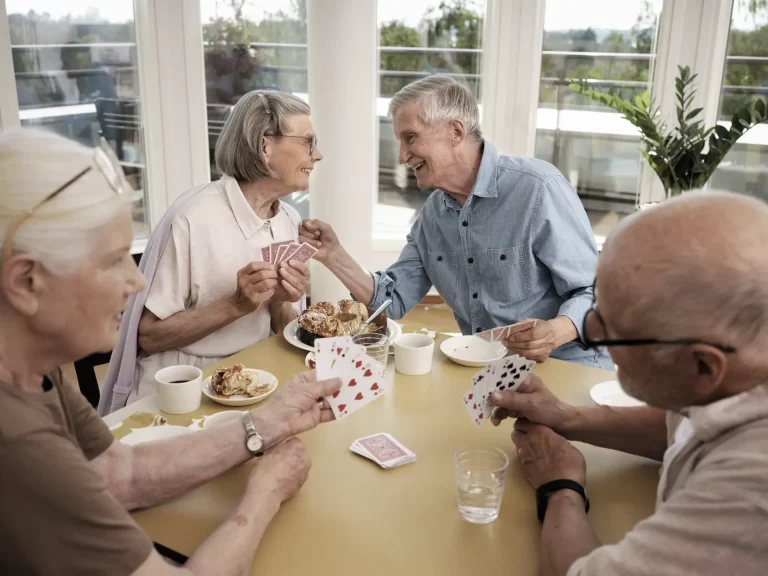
x: 290, y: 251
x: 505, y: 374
x: 520, y: 327
x: 330, y: 350
x: 280, y: 252
x: 304, y: 253
x: 265, y: 254
x: 499, y: 333
x: 361, y: 384
x: 383, y: 449
x: 274, y: 247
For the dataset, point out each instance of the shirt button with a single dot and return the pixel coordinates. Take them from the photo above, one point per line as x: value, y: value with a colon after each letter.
x: 479, y: 329
x: 503, y: 256
x: 389, y: 293
x: 471, y: 260
x: 465, y: 223
x: 439, y: 258
x: 474, y: 295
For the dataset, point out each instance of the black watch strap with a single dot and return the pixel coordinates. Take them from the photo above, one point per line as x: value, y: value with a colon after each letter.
x: 545, y: 490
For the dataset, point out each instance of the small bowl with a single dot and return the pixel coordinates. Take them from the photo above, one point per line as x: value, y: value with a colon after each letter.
x: 472, y: 351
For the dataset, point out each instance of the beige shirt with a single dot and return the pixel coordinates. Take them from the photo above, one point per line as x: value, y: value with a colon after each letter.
x: 214, y: 235
x: 712, y: 507
x: 57, y: 515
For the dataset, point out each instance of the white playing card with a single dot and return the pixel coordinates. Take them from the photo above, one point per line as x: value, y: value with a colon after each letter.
x: 330, y: 350
x: 384, y: 450
x: 362, y: 382
x: 505, y: 374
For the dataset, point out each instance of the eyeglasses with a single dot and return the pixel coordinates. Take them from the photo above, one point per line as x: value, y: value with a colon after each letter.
x: 107, y: 163
x: 310, y: 141
x: 594, y: 323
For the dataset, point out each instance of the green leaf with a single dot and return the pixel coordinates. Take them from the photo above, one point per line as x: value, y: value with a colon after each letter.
x: 722, y: 132
x: 693, y: 113
x: 760, y: 108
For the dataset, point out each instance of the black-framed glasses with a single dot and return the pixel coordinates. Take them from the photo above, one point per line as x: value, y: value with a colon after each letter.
x: 593, y: 322
x: 310, y: 141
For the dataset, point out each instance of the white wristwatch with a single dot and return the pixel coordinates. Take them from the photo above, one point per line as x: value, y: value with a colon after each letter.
x: 253, y: 440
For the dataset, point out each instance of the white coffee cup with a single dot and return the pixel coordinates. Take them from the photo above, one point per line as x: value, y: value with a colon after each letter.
x: 413, y: 354
x: 179, y: 389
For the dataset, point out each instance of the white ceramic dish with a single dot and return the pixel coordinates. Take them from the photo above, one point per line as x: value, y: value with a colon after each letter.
x: 152, y: 433
x: 241, y: 399
x: 221, y: 417
x: 610, y: 394
x: 472, y: 351
x: 289, y: 333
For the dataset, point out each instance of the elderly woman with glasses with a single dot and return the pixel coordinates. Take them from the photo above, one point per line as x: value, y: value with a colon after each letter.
x: 211, y: 294
x: 66, y: 275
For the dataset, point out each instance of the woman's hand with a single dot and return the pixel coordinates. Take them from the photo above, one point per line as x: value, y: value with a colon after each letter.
x: 294, y: 281
x: 256, y: 284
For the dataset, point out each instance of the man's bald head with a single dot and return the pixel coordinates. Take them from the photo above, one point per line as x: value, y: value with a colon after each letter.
x: 695, y: 266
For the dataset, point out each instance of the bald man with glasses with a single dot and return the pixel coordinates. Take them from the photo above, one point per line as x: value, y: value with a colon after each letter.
x: 681, y: 303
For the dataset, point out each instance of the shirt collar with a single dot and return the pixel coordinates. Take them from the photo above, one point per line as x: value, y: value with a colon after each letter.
x: 718, y: 417
x: 245, y: 217
x: 485, y: 183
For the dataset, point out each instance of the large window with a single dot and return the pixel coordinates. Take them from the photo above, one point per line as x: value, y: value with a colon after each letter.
x: 745, y: 168
x: 76, y: 73
x: 418, y: 38
x: 611, y: 45
x: 258, y: 45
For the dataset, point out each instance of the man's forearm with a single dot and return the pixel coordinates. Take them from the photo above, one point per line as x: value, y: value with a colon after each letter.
x: 163, y: 470
x: 354, y: 277
x: 187, y: 327
x: 282, y: 313
x: 638, y: 430
x: 566, y: 535
x: 230, y: 549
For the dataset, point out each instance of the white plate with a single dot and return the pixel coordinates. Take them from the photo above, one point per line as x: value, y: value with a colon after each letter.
x: 289, y: 333
x: 152, y: 433
x: 241, y: 399
x: 610, y: 394
x: 221, y: 417
x: 472, y: 351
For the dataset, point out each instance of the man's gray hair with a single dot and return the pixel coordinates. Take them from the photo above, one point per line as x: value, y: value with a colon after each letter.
x: 258, y: 113
x: 443, y: 99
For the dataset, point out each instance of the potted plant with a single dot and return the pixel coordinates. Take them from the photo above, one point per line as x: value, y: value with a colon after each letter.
x: 685, y: 156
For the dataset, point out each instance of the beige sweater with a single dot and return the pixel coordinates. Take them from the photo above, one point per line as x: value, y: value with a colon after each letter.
x: 712, y: 509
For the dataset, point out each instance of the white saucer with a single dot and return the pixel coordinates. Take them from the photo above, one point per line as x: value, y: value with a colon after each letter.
x: 472, y: 351
x: 152, y: 433
x: 242, y: 399
x: 610, y: 394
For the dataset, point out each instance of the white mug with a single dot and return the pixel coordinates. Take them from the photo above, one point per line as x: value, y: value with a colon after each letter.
x: 413, y: 354
x: 179, y: 389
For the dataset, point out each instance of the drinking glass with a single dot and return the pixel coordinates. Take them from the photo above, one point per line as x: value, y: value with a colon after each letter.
x: 480, y: 478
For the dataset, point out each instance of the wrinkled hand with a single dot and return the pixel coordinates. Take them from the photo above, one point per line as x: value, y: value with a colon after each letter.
x: 294, y: 280
x: 293, y: 408
x: 544, y: 455
x: 533, y: 401
x: 538, y: 342
x: 282, y: 471
x: 320, y: 235
x: 256, y: 283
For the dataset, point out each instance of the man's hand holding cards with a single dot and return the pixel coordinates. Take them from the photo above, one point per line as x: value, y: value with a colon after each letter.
x: 505, y: 374
x: 361, y: 376
x: 504, y: 332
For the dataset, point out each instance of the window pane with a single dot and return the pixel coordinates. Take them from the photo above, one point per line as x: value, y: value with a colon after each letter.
x: 76, y: 74
x: 611, y: 45
x: 260, y: 46
x: 418, y: 38
x: 745, y: 167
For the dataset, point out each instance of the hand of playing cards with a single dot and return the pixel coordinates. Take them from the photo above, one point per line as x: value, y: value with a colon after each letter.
x: 361, y: 376
x: 279, y: 252
x: 384, y: 450
x: 504, y: 332
x: 505, y: 374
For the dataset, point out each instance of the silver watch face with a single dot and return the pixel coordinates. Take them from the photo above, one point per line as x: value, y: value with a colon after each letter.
x: 254, y: 444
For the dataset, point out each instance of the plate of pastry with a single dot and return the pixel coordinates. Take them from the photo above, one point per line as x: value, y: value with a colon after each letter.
x: 326, y: 320
x: 239, y: 386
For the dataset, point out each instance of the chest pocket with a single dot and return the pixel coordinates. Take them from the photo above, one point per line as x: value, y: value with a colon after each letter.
x: 506, y: 275
x: 443, y: 269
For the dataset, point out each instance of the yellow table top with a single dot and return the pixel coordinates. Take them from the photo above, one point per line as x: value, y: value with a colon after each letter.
x: 353, y: 518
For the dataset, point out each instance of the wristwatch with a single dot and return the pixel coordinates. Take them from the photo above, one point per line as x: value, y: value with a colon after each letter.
x: 253, y: 440
x: 544, y: 491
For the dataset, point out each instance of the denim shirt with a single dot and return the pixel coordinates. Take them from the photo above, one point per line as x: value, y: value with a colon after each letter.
x: 520, y: 247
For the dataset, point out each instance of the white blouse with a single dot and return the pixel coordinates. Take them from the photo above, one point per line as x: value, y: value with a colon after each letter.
x: 214, y: 235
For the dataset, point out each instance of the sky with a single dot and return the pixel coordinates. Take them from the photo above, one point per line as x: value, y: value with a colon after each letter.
x: 560, y: 14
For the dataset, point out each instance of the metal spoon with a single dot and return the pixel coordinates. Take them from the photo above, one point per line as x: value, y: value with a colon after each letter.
x: 373, y: 316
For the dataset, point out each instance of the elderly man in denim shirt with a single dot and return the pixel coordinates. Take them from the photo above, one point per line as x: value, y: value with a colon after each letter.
x: 501, y: 238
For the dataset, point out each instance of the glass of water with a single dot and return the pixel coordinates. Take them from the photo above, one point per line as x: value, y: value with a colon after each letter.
x: 480, y: 478
x: 376, y: 346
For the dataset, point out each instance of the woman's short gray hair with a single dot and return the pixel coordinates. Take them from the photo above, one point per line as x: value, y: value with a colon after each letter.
x: 258, y: 113
x: 442, y: 99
